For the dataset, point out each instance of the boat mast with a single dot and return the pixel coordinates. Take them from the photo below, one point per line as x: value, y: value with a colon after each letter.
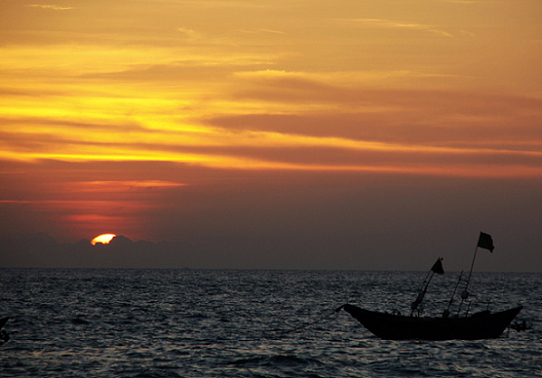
x: 446, y: 312
x: 484, y: 241
x: 465, y: 293
x: 437, y: 268
x: 471, y: 266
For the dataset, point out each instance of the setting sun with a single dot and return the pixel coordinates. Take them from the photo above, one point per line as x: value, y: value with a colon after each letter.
x: 269, y: 134
x: 104, y: 239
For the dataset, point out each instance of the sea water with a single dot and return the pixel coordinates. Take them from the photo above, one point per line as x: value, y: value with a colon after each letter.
x: 228, y: 323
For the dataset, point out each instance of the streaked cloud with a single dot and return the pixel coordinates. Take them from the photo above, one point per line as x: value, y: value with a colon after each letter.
x: 389, y: 24
x: 49, y: 6
x: 272, y: 31
x: 190, y: 34
x: 173, y: 118
x: 121, y: 186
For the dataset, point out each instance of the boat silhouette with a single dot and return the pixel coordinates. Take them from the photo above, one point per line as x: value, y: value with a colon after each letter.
x: 480, y: 325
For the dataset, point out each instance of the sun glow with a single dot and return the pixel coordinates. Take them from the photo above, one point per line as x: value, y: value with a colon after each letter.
x: 104, y: 239
x: 159, y: 122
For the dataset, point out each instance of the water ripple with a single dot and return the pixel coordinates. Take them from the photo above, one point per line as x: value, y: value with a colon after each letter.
x: 192, y: 323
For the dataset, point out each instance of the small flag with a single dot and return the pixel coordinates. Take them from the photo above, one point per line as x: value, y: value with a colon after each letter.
x: 437, y: 267
x: 485, y: 241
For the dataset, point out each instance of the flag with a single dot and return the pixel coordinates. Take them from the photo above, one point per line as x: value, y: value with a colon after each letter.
x: 437, y: 267
x: 485, y: 241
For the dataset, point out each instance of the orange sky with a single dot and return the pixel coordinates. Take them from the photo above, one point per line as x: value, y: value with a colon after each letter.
x: 111, y: 110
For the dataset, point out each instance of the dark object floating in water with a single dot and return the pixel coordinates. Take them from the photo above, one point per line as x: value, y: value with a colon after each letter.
x: 3, y: 334
x: 481, y: 325
x: 521, y: 326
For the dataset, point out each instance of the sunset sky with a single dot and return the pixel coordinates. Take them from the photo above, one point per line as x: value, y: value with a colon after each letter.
x: 375, y: 134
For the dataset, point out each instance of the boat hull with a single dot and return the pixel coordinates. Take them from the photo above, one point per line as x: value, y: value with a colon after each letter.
x: 482, y: 325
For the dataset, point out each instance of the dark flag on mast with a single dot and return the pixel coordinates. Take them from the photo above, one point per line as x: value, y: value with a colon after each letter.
x: 485, y: 241
x: 437, y: 267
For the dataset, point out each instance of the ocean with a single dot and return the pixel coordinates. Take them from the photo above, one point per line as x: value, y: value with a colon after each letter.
x: 249, y: 323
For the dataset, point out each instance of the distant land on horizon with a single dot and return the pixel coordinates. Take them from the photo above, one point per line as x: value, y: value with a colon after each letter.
x: 41, y: 250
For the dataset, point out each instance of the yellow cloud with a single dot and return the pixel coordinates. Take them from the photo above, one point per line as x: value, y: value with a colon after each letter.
x: 53, y: 7
x: 389, y: 24
x: 196, y: 90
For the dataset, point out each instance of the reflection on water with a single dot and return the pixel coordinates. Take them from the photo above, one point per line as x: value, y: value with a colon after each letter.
x: 197, y: 323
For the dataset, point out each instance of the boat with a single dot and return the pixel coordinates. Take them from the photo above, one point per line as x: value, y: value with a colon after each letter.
x: 476, y: 326
x: 481, y: 325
